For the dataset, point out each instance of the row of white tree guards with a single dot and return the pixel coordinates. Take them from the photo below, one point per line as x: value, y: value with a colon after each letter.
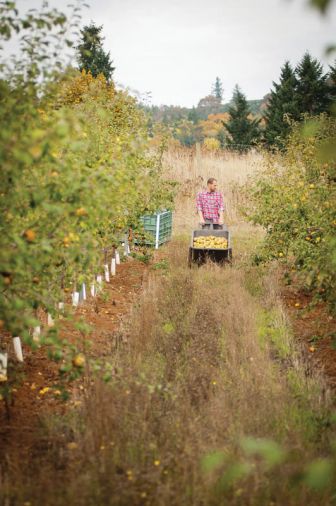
x: 76, y: 297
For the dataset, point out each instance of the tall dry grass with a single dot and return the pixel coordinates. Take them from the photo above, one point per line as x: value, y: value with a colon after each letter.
x: 192, y: 168
x: 198, y: 370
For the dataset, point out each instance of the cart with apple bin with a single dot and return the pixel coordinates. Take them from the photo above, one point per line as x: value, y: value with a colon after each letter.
x: 199, y: 255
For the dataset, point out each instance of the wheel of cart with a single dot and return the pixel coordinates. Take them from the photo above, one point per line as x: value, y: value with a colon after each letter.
x: 199, y: 255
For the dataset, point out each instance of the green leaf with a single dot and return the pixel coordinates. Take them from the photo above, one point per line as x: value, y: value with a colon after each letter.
x: 213, y: 461
x: 319, y: 474
x: 271, y: 453
x: 168, y: 328
x: 310, y: 128
x: 330, y: 49
x: 321, y: 5
x: 235, y: 472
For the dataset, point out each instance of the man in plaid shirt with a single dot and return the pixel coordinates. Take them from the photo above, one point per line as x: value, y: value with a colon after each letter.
x: 210, y: 206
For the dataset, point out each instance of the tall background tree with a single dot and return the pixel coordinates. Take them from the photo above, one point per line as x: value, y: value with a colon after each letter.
x: 281, y: 106
x: 243, y: 131
x: 312, y: 88
x: 331, y: 82
x: 217, y: 89
x: 91, y: 55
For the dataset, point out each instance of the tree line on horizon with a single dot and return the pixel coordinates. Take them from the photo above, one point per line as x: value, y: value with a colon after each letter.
x: 239, y: 124
x: 303, y: 90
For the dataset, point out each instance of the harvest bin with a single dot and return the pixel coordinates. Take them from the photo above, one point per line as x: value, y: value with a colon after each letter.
x: 218, y: 255
x: 159, y: 226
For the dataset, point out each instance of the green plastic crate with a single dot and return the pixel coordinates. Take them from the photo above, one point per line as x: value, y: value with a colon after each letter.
x: 159, y: 226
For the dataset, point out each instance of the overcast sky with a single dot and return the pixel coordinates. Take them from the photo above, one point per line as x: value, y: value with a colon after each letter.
x: 174, y: 49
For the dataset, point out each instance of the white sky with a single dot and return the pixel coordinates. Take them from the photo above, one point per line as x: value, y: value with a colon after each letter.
x: 174, y: 49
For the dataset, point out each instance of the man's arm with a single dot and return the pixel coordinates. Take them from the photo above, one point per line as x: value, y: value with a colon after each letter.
x: 221, y: 210
x: 199, y: 208
x: 201, y: 218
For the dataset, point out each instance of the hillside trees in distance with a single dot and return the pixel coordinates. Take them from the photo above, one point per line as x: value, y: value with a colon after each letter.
x: 91, y: 55
x: 195, y: 124
x: 209, y: 105
x: 301, y: 90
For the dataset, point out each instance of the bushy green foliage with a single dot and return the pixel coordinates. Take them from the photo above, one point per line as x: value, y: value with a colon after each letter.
x: 294, y: 199
x: 75, y: 173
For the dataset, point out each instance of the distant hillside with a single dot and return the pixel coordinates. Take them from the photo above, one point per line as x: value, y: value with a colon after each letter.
x: 189, y: 125
x: 171, y: 114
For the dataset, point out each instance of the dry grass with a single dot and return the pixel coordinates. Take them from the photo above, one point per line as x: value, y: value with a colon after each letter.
x: 192, y: 168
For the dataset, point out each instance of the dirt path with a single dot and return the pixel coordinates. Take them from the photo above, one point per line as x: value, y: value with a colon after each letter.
x: 32, y: 400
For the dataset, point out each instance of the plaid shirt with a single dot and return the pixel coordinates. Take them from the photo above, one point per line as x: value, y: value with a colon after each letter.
x: 210, y: 203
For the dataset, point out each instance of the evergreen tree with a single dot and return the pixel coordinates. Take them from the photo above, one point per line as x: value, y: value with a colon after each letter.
x: 331, y: 82
x: 217, y: 90
x: 281, y: 106
x: 312, y: 88
x: 193, y: 115
x: 222, y: 138
x: 244, y: 131
x: 91, y: 55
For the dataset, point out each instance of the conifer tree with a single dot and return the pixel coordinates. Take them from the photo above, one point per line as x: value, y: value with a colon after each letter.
x: 282, y: 105
x: 91, y: 55
x: 312, y: 88
x: 331, y: 82
x: 243, y: 131
x: 217, y: 89
x: 193, y: 115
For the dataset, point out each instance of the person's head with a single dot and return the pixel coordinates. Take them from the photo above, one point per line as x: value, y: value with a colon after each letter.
x: 212, y: 184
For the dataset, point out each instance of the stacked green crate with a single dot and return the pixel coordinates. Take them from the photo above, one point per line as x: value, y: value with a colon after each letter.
x: 159, y: 226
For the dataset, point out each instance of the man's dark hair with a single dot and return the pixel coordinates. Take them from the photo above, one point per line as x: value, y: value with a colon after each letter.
x: 211, y: 180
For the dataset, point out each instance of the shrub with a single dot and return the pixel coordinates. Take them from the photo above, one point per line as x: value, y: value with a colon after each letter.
x: 294, y: 198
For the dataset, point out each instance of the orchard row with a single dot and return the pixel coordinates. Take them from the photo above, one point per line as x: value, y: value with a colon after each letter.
x: 76, y: 173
